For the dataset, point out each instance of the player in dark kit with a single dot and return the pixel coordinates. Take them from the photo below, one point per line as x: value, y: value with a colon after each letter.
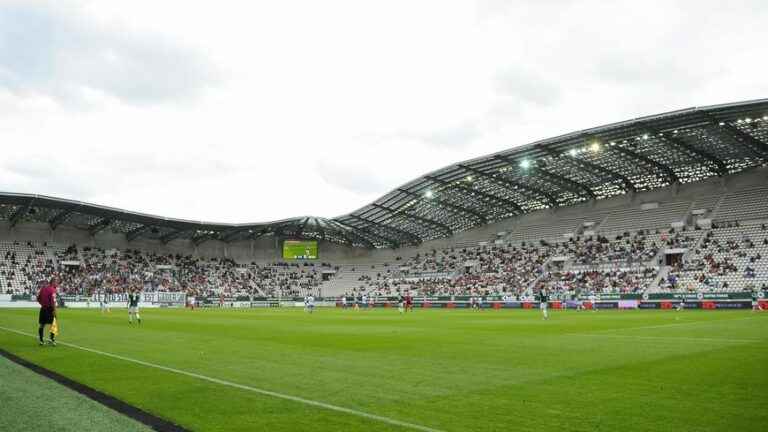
x: 47, y: 299
x: 408, y: 303
x: 133, y: 306
x: 543, y: 303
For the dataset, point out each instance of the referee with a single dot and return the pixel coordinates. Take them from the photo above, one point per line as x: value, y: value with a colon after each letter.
x: 47, y: 299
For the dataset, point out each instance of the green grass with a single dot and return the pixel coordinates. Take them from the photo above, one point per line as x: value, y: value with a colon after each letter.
x: 30, y: 402
x: 450, y: 370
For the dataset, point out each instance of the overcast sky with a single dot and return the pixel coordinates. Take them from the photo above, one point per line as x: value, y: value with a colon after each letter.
x: 255, y: 111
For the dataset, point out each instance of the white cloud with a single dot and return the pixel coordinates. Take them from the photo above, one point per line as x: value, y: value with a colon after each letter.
x: 49, y: 50
x: 256, y: 111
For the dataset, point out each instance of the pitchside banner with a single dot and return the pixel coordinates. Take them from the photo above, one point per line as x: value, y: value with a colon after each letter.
x: 146, y: 297
x: 698, y: 305
x: 743, y: 295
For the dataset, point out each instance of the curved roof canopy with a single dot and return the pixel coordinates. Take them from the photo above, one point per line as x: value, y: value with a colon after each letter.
x: 636, y: 155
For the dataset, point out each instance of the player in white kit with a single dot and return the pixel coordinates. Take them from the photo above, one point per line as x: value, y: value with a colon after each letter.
x: 310, y: 303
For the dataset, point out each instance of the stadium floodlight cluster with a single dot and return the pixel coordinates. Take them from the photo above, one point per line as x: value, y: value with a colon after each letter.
x: 632, y: 156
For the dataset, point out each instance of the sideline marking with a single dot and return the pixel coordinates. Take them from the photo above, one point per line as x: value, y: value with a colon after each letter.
x: 669, y: 338
x: 121, y: 408
x: 674, y: 324
x: 311, y: 402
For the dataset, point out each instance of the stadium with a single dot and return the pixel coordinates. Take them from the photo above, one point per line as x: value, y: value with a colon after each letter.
x: 642, y: 214
x: 170, y: 259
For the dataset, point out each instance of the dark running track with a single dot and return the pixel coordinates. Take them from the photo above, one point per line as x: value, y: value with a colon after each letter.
x: 131, y: 411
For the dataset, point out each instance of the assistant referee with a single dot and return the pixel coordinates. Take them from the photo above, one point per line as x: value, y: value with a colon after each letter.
x: 47, y: 299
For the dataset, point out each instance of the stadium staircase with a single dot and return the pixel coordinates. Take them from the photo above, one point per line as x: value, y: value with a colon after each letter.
x: 661, y: 275
x: 543, y: 275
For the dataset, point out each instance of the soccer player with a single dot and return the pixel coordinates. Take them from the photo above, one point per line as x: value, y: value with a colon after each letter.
x: 756, y: 302
x: 400, y: 303
x: 46, y: 297
x: 133, y: 306
x: 681, y: 305
x: 593, y: 301
x: 371, y: 302
x: 104, y: 303
x: 356, y: 302
x: 344, y: 301
x: 479, y: 303
x: 543, y: 305
x: 310, y: 303
x: 365, y: 300
x: 408, y: 303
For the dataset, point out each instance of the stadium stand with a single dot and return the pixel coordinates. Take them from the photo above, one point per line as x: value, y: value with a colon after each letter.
x: 628, y: 219
x: 676, y: 201
x: 743, y: 205
x: 728, y: 259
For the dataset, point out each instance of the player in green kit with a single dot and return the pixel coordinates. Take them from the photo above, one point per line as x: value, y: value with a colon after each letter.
x: 133, y: 306
x: 543, y: 305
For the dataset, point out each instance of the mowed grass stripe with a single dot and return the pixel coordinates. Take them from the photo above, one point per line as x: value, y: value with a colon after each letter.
x: 270, y: 393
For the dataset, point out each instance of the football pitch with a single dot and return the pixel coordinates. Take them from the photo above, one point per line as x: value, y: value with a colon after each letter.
x: 430, y: 370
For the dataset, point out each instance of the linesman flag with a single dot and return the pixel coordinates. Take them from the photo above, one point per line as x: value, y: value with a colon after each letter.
x: 55, y: 327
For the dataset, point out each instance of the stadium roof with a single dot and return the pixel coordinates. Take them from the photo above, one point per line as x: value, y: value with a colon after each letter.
x: 635, y: 155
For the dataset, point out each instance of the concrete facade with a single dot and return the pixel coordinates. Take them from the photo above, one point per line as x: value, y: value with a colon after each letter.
x: 267, y: 249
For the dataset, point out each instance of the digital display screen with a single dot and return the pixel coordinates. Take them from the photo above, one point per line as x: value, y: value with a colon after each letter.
x: 300, y: 249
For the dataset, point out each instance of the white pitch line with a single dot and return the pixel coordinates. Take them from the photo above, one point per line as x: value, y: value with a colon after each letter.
x: 298, y: 399
x: 669, y: 338
x: 675, y: 324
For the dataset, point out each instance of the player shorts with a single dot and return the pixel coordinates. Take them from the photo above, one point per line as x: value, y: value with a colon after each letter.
x: 133, y: 309
x: 755, y: 304
x: 45, y: 316
x: 543, y: 305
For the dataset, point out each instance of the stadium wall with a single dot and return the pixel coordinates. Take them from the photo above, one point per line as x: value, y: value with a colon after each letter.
x: 268, y: 249
x: 675, y: 193
x: 264, y: 249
